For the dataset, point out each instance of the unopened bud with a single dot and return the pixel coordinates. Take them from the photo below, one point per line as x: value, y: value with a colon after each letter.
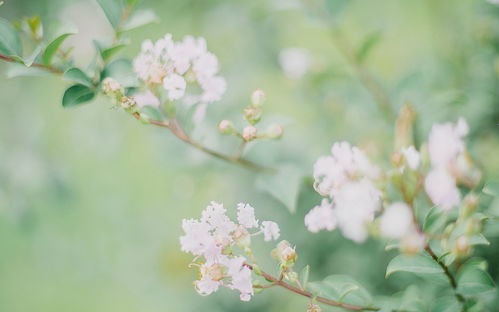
x: 397, y: 159
x: 275, y: 131
x: 462, y: 247
x: 110, y: 85
x: 413, y: 243
x: 258, y: 98
x: 313, y: 308
x: 470, y: 203
x: 285, y: 254
x: 249, y: 133
x: 252, y: 114
x: 291, y: 276
x: 127, y: 102
x: 226, y: 127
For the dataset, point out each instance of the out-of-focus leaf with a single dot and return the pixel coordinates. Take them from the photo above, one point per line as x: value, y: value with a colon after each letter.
x: 35, y: 26
x: 76, y: 95
x: 412, y: 300
x: 114, y: 11
x: 121, y: 70
x: 304, y: 275
x: 434, y: 220
x: 471, y: 280
x: 491, y: 188
x: 139, y: 18
x: 77, y: 75
x: 478, y: 239
x: 447, y: 304
x: 151, y: 112
x: 367, y: 45
x: 413, y: 263
x: 52, y: 48
x: 1, y: 3
x: 19, y: 70
x: 110, y: 52
x: 336, y: 7
x: 341, y: 288
x: 28, y: 61
x: 10, y: 43
x: 283, y: 185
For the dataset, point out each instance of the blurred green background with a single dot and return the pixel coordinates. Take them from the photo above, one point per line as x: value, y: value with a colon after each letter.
x: 91, y: 201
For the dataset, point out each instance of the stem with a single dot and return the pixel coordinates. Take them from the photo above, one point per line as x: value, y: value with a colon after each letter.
x: 177, y: 130
x: 279, y: 282
x: 37, y: 65
x: 375, y: 89
x: 450, y: 277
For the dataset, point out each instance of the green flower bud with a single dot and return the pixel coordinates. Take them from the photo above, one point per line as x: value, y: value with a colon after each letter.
x: 257, y: 98
x: 226, y: 127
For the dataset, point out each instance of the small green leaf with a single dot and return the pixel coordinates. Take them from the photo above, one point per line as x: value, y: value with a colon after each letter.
x: 435, y: 220
x: 342, y: 288
x: 76, y: 95
x: 472, y: 281
x: 283, y: 186
x: 369, y: 43
x: 492, y: 188
x: 77, y: 75
x: 413, y: 263
x: 114, y: 11
x: 304, y: 275
x: 121, y: 70
x: 140, y: 18
x: 28, y: 61
x: 446, y: 304
x: 110, y: 52
x: 411, y: 300
x: 52, y: 48
x: 10, y: 42
x: 479, y: 239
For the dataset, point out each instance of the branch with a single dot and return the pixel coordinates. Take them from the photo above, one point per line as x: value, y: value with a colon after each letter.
x: 377, y: 92
x: 51, y: 69
x: 176, y: 129
x: 296, y: 290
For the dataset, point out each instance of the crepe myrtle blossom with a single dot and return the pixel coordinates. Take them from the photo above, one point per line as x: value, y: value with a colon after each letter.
x: 175, y: 65
x: 211, y: 238
x: 412, y: 157
x: 449, y: 163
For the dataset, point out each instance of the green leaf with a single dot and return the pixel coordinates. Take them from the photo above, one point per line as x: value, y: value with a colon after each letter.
x: 304, y: 275
x: 341, y: 288
x: 411, y: 300
x: 52, y: 48
x: 472, y: 281
x: 28, y: 61
x: 434, y: 220
x: 151, y: 113
x: 19, y: 70
x: 283, y: 186
x: 491, y: 188
x: 1, y: 3
x: 110, y: 52
x: 76, y: 95
x: 446, y: 304
x: 413, y: 263
x: 140, y: 18
x: 10, y: 42
x: 114, y: 11
x: 478, y: 239
x: 121, y: 70
x: 77, y: 75
x: 369, y: 43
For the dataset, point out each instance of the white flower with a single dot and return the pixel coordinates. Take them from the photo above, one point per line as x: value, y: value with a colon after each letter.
x: 175, y: 85
x: 321, y: 217
x: 197, y: 236
x: 445, y: 143
x: 242, y: 282
x: 246, y: 216
x: 146, y: 98
x: 396, y: 221
x: 206, y: 65
x: 213, y: 87
x: 270, y: 230
x: 295, y: 62
x: 412, y: 157
x: 441, y: 187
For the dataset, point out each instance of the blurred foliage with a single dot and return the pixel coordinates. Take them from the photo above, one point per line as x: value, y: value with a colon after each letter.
x: 91, y: 202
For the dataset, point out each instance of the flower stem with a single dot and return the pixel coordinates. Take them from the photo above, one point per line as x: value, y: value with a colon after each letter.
x: 279, y: 282
x: 37, y: 65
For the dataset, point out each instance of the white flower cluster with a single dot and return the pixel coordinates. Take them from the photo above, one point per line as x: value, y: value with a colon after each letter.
x: 448, y: 163
x: 347, y: 178
x: 176, y: 64
x: 212, y: 238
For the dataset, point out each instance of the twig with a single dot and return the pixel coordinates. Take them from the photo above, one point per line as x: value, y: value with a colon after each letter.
x: 277, y: 282
x: 37, y: 65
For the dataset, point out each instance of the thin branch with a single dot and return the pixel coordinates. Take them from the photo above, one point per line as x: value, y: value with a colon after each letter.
x: 51, y: 69
x: 370, y: 83
x: 277, y: 282
x: 176, y: 129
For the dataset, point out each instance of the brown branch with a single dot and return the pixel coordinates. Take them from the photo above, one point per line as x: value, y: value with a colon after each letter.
x: 176, y: 129
x: 278, y: 282
x: 36, y: 65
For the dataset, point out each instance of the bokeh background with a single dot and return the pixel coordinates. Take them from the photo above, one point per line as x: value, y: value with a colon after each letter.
x: 91, y: 201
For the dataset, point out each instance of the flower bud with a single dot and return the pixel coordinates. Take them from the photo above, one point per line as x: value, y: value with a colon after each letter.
x: 242, y: 237
x: 257, y: 98
x: 313, y: 308
x: 249, y: 133
x: 127, y: 102
x: 110, y: 85
x: 470, y: 203
x: 413, y: 243
x: 285, y: 254
x: 291, y: 276
x: 252, y: 114
x: 226, y: 127
x: 275, y: 131
x: 462, y: 247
